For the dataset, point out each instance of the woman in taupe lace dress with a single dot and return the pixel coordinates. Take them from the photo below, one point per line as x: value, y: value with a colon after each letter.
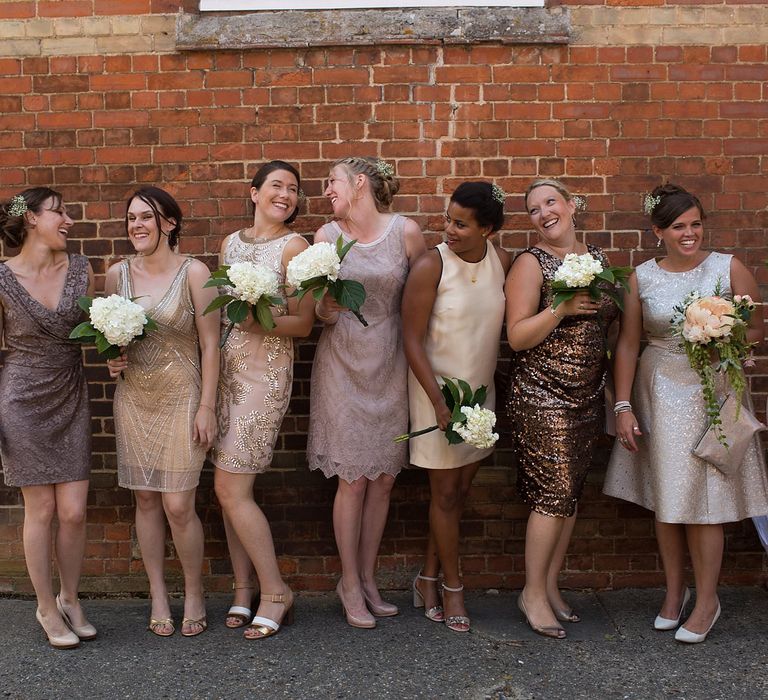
x: 45, y: 432
x: 164, y: 406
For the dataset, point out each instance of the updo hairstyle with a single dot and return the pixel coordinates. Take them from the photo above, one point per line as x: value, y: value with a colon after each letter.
x: 13, y: 229
x: 673, y: 201
x: 380, y: 174
x: 478, y: 196
x: 556, y: 184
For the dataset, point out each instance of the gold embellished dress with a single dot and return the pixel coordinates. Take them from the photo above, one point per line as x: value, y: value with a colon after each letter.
x: 155, y: 404
x: 556, y: 404
x: 462, y: 341
x: 256, y: 375
x: 663, y: 475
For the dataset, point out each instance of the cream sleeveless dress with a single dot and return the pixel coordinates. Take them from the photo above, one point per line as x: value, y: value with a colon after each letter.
x: 462, y: 342
x: 256, y: 375
x: 663, y: 475
x: 156, y: 403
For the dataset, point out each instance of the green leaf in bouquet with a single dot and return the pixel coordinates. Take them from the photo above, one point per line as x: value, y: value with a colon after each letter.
x: 85, y: 303
x: 221, y: 272
x: 448, y: 396
x: 317, y: 293
x: 453, y: 392
x: 594, y: 291
x: 83, y: 332
x: 263, y: 314
x: 218, y: 302
x: 275, y: 301
x: 560, y: 296
x: 456, y: 415
x: 150, y: 325
x: 218, y: 282
x: 237, y: 311
x: 341, y: 251
x: 466, y: 392
x: 309, y: 285
x: 615, y: 297
x: 351, y: 294
x: 453, y: 437
x: 480, y: 396
x: 102, y: 344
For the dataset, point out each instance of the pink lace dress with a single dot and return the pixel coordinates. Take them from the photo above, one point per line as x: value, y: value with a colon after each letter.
x: 359, y: 389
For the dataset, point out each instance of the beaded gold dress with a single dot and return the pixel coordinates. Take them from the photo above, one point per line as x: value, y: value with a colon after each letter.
x: 663, y: 475
x: 155, y: 404
x: 256, y: 374
x: 556, y: 404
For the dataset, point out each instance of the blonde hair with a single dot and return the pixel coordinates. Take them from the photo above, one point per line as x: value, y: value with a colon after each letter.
x: 559, y: 186
x: 380, y: 174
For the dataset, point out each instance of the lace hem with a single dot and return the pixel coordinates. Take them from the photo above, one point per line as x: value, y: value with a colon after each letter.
x: 350, y: 473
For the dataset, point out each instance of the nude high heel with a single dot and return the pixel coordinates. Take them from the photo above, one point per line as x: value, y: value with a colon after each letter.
x: 352, y: 621
x: 664, y: 623
x: 62, y: 641
x: 84, y: 632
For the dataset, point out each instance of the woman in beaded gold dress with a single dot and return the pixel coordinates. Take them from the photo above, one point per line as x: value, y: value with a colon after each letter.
x: 254, y: 391
x: 555, y: 403
x: 164, y: 405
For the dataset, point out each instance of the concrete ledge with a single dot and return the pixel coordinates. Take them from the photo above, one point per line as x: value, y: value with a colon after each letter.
x: 368, y: 27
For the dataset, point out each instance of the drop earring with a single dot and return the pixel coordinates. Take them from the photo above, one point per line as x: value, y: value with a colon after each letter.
x: 658, y: 242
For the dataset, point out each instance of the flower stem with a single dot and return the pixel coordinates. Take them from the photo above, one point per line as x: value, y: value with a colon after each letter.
x: 408, y: 436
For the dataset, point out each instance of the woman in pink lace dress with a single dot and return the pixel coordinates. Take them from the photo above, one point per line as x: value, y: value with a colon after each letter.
x: 359, y: 394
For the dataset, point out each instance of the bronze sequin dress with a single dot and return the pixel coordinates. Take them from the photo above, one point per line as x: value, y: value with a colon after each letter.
x: 156, y: 403
x: 556, y: 401
x: 663, y: 475
x: 45, y: 421
x: 256, y: 375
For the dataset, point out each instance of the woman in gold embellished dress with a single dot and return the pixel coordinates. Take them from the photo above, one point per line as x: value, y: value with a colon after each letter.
x: 556, y: 397
x: 254, y: 391
x: 164, y: 405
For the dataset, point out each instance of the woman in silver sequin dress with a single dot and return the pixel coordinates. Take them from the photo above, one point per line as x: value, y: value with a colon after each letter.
x: 359, y: 393
x: 651, y: 463
x: 45, y: 421
x: 254, y: 391
x: 164, y: 402
x: 556, y: 397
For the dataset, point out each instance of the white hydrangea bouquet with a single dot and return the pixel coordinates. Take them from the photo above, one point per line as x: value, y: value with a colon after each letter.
x: 316, y: 270
x: 713, y: 330
x: 584, y: 272
x: 254, y: 289
x: 471, y: 423
x: 114, y: 321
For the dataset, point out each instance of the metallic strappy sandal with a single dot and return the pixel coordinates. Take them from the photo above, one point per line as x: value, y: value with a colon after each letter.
x: 435, y: 613
x: 266, y: 627
x: 456, y: 623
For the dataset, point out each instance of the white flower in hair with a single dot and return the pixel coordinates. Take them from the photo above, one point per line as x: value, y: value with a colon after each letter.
x: 650, y: 203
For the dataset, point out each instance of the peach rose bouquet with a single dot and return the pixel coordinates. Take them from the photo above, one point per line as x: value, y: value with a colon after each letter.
x: 714, y: 334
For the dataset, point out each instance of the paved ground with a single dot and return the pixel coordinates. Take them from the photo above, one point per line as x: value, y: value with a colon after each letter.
x: 614, y: 653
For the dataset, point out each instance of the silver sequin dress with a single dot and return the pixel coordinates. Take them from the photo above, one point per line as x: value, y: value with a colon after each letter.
x: 663, y: 475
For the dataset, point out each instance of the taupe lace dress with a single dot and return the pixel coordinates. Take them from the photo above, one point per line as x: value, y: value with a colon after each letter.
x: 256, y: 375
x: 556, y: 403
x: 45, y: 422
x: 359, y: 389
x: 156, y: 403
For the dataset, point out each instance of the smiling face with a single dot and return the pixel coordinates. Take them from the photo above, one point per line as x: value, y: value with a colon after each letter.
x: 684, y: 236
x: 463, y: 235
x: 52, y: 223
x: 141, y: 224
x: 551, y: 214
x: 278, y: 196
x: 342, y: 190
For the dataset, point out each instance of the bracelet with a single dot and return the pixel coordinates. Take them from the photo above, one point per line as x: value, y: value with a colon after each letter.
x: 320, y: 317
x: 622, y: 407
x: 210, y: 408
x: 555, y: 314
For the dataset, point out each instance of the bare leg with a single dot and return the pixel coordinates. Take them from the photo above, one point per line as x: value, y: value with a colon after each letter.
x: 150, y: 531
x: 431, y: 567
x: 558, y: 559
x: 235, y: 494
x: 672, y: 546
x: 705, y: 543
x: 243, y: 583
x: 187, y: 532
x: 347, y: 525
x: 374, y: 520
x: 449, y: 489
x: 39, y: 508
x: 71, y: 502
x: 541, y: 540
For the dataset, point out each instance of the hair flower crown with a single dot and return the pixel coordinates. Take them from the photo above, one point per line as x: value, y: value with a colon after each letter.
x: 384, y: 169
x: 650, y: 202
x: 18, y: 206
x: 580, y: 202
x: 498, y: 194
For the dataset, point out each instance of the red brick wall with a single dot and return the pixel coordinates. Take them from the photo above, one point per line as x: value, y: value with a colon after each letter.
x: 611, y: 120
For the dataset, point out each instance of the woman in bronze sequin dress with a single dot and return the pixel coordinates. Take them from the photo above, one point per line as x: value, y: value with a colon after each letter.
x: 45, y: 423
x: 556, y: 396
x: 164, y: 405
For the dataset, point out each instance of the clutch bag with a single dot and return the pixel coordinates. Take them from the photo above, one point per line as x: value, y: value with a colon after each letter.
x: 738, y: 433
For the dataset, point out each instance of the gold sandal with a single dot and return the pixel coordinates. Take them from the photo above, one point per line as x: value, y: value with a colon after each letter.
x: 155, y: 623
x: 203, y: 622
x: 264, y: 625
x: 240, y: 612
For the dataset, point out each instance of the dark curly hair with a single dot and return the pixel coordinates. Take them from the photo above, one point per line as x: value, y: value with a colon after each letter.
x: 478, y: 196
